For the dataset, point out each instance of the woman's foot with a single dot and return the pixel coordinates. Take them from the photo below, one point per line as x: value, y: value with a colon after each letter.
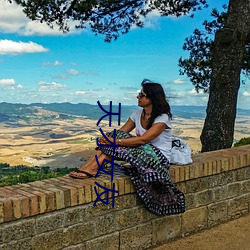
x: 82, y: 174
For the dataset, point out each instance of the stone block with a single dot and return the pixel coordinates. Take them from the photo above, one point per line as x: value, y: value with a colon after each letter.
x: 74, y: 215
x: 243, y: 160
x: 41, y: 201
x: 225, y: 178
x: 121, y: 202
x: 248, y: 159
x: 240, y: 174
x: 16, y: 204
x: 88, y: 193
x: 50, y: 201
x: 49, y: 222
x: 77, y: 247
x: 181, y: 175
x: 125, y: 201
x: 127, y: 186
x: 80, y: 233
x: 53, y: 240
x: 194, y: 220
x: 59, y: 197
x: 129, y: 217
x: 33, y: 204
x: 25, y: 207
x: 217, y: 213
x: 245, y: 186
x: 166, y: 228
x: 1, y: 235
x: 234, y: 189
x: 1, y: 211
x: 18, y: 230
x: 121, y: 184
x: 190, y: 203
x: 107, y: 242
x: 105, y: 224
x: 182, y: 186
x: 224, y: 166
x: 220, y: 193
x: 7, y: 209
x: 18, y: 245
x: 238, y: 206
x: 196, y: 185
x: 65, y: 196
x: 204, y: 198
x: 138, y: 237
x: 174, y: 173
x: 247, y: 172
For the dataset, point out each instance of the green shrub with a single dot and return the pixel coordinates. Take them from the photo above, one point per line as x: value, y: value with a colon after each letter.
x: 242, y: 142
x: 23, y: 174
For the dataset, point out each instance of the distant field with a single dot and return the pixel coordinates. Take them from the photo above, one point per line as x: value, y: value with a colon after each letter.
x: 83, y: 142
x: 68, y: 140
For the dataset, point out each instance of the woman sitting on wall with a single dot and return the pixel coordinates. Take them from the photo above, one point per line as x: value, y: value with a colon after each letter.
x: 148, y: 153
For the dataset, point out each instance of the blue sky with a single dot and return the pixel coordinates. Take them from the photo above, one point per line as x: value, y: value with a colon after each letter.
x: 38, y: 64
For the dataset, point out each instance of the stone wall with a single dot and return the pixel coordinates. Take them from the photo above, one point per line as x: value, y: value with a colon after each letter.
x: 59, y: 214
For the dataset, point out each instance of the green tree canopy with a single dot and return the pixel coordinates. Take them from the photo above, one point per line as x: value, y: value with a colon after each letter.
x: 108, y: 17
x: 198, y: 67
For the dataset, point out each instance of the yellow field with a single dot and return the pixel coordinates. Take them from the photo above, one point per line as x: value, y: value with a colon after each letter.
x: 32, y: 145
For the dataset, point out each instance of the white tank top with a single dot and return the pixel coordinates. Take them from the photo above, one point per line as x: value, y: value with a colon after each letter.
x: 163, y: 141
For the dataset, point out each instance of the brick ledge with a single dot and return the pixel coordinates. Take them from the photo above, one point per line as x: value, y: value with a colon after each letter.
x: 25, y: 200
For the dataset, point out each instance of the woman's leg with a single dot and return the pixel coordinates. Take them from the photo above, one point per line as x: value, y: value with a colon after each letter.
x: 91, y: 160
x: 91, y: 165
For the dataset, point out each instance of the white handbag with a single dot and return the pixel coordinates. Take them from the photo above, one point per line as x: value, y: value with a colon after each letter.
x: 180, y: 152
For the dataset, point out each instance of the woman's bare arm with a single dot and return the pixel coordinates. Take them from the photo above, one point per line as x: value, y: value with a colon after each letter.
x: 128, y: 126
x: 135, y: 141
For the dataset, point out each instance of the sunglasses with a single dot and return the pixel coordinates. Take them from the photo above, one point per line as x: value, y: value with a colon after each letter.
x: 140, y: 94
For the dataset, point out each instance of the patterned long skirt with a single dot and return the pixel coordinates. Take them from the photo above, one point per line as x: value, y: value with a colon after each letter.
x: 149, y: 172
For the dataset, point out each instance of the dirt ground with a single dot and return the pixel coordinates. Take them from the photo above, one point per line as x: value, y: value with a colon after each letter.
x: 233, y: 235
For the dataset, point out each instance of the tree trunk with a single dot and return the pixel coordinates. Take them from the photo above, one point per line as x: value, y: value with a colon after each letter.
x: 227, y: 56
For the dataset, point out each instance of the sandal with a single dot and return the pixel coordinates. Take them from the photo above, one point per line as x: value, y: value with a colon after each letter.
x: 87, y: 175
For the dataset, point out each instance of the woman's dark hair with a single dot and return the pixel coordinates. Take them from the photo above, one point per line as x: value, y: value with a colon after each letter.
x: 156, y: 94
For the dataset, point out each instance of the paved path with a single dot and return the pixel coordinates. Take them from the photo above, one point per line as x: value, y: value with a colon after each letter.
x: 233, y: 235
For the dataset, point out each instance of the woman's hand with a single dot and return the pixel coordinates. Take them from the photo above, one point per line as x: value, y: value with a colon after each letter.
x: 102, y: 140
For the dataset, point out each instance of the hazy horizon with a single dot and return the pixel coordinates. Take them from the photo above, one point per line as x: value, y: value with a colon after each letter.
x: 106, y: 104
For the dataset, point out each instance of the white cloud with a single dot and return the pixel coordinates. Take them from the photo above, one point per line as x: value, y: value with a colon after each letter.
x: 55, y: 63
x: 194, y: 92
x: 152, y: 19
x: 19, y: 86
x: 80, y: 92
x: 246, y: 93
x: 15, y: 48
x: 178, y: 81
x: 51, y: 86
x: 10, y: 84
x: 7, y: 82
x: 180, y: 94
x: 13, y: 20
x: 187, y: 97
x: 73, y: 72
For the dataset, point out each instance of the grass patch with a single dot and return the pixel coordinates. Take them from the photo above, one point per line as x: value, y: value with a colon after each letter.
x: 242, y: 142
x: 23, y: 174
